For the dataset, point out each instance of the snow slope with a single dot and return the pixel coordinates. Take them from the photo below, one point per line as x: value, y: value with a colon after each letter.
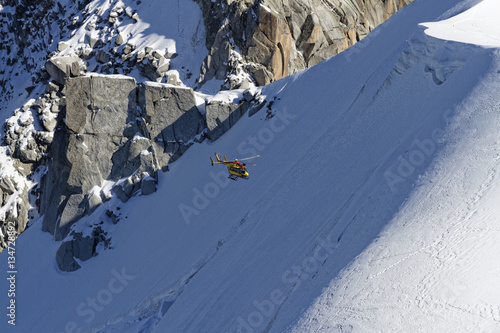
x: 371, y: 209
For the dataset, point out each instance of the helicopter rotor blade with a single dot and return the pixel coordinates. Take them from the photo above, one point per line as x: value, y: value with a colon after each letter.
x: 248, y: 158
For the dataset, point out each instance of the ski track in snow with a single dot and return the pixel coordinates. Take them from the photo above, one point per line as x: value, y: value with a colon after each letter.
x: 460, y: 238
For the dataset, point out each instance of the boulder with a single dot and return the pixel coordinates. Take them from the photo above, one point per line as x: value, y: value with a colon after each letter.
x: 173, y: 78
x: 7, y: 185
x: 25, y: 147
x: 148, y: 185
x: 128, y: 188
x: 102, y: 57
x: 140, y: 55
x: 80, y: 247
x: 30, y: 153
x: 92, y: 40
x: 49, y: 121
x: 61, y: 46
x: 128, y: 48
x: 260, y: 74
x: 163, y: 65
x: 65, y: 259
x: 120, y: 39
x: 148, y: 165
x: 83, y: 247
x: 121, y: 193
x: 148, y: 69
x: 61, y: 68
x: 52, y: 87
x: 55, y: 108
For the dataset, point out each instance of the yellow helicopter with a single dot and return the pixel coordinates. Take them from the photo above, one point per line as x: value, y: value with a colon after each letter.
x: 235, y: 168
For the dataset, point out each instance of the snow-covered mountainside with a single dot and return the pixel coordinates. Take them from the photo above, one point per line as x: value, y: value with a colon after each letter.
x: 50, y: 168
x: 373, y: 206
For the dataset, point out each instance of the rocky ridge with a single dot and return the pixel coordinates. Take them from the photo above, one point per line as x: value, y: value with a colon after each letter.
x: 278, y: 37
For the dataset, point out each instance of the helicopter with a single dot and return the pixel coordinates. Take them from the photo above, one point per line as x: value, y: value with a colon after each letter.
x: 235, y: 168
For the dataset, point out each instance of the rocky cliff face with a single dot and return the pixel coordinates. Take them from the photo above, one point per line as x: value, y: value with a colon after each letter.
x: 279, y: 37
x: 114, y: 130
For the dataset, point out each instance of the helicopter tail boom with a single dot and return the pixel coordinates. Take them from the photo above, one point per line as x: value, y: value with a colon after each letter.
x: 218, y: 160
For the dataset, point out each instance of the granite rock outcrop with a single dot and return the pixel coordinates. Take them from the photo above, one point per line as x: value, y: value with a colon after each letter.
x: 279, y: 37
